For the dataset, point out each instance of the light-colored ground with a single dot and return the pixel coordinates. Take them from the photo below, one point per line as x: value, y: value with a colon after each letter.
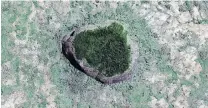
x: 172, y: 63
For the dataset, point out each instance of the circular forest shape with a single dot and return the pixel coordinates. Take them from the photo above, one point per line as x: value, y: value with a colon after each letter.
x: 104, y: 49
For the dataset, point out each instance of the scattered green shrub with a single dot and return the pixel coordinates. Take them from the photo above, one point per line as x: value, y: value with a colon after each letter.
x: 104, y: 48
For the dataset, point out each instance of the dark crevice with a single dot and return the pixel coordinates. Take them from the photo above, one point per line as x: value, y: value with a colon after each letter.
x: 72, y: 60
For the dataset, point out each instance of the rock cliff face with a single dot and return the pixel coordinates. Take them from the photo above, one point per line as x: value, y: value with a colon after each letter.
x: 68, y: 50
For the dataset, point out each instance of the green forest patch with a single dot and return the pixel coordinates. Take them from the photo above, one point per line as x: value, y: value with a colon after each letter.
x: 105, y: 48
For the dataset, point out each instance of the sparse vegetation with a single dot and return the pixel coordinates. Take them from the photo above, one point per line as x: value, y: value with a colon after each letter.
x: 204, y: 21
x: 104, y: 48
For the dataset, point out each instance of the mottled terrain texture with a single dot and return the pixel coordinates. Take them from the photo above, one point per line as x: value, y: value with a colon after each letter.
x: 172, y: 70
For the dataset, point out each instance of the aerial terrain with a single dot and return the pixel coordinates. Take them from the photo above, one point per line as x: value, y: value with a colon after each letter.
x: 169, y: 52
